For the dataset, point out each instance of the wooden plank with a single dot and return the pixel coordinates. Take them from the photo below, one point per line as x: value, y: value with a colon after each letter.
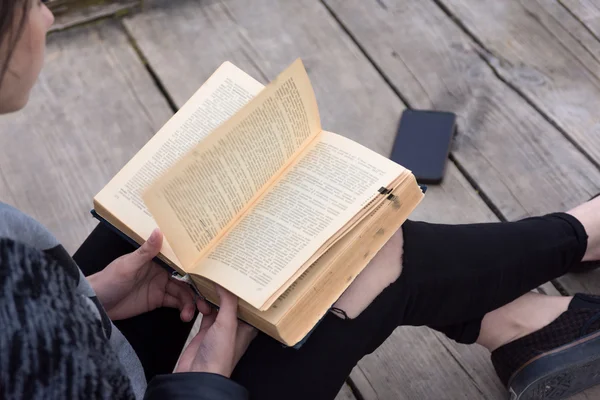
x: 399, y: 369
x: 531, y: 57
x: 68, y: 14
x: 520, y: 160
x: 185, y: 41
x: 573, y: 23
x: 453, y: 202
x: 587, y: 11
x: 549, y: 289
x: 263, y: 40
x: 476, y: 363
x: 361, y: 383
x: 345, y: 393
x: 93, y: 107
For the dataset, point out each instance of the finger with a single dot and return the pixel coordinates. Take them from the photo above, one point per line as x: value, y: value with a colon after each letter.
x: 187, y: 356
x: 207, y: 322
x: 149, y: 249
x: 188, y: 307
x: 186, y: 295
x: 186, y: 310
x: 170, y: 301
x: 185, y: 304
x: 186, y: 289
x: 181, y: 290
x: 176, y: 287
x: 203, y: 306
x: 189, y: 353
x: 245, y: 336
x: 228, y: 303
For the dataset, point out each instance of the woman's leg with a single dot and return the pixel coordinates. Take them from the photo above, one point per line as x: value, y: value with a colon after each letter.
x: 460, y: 273
x: 519, y: 318
x: 531, y: 311
x: 157, y: 336
x: 451, y: 276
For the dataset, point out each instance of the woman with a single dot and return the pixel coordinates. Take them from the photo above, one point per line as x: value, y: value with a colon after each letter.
x: 57, y: 337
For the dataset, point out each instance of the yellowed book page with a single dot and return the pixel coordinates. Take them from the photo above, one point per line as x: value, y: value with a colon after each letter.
x: 221, y: 96
x: 307, y: 299
x: 371, y: 207
x: 300, y: 286
x: 208, y: 190
x: 328, y: 186
x: 310, y: 279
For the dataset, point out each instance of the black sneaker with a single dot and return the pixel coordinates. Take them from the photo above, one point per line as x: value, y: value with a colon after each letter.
x: 557, y: 361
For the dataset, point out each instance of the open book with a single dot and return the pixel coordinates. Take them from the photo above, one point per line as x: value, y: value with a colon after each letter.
x: 251, y: 193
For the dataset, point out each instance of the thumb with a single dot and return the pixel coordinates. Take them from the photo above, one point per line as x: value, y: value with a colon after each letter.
x: 149, y: 249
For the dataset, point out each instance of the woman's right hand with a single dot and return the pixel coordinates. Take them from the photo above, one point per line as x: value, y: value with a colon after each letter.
x: 221, y: 341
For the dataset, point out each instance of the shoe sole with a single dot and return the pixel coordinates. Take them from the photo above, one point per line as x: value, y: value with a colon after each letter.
x: 560, y: 373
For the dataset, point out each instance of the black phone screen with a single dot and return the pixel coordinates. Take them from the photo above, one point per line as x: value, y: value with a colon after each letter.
x: 423, y: 143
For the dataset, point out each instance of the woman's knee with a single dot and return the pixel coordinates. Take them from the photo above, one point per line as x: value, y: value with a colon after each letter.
x: 384, y: 269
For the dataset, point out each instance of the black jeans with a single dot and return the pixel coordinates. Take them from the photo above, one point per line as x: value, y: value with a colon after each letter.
x: 452, y: 276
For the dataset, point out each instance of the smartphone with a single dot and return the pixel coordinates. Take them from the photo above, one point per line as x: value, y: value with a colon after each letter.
x: 423, y: 143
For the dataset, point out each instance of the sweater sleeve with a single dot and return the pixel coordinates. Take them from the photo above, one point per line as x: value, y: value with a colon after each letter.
x: 194, y: 385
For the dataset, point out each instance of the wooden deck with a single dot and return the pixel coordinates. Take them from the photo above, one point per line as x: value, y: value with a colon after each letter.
x: 523, y: 76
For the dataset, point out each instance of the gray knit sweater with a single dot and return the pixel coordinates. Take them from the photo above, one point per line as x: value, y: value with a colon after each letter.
x: 56, y: 340
x: 61, y: 287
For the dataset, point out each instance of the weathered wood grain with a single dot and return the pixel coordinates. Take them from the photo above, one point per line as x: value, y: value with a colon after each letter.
x: 185, y: 41
x: 519, y: 159
x: 587, y: 11
x: 567, y: 23
x: 549, y: 289
x: 531, y: 57
x: 400, y: 369
x: 361, y: 383
x: 522, y: 163
x: 453, y: 202
x: 69, y: 13
x: 92, y: 109
x: 345, y: 393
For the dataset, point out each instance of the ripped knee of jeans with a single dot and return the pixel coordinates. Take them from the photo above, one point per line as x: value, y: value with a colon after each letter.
x: 384, y: 269
x: 338, y: 312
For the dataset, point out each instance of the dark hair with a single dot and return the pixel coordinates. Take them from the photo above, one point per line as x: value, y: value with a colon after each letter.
x: 10, y: 29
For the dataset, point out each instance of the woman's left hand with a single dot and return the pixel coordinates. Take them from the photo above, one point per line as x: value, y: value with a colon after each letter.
x: 133, y: 284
